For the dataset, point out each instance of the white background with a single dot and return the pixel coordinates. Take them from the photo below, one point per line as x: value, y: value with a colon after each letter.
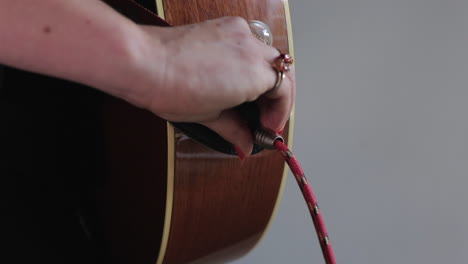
x: 381, y: 130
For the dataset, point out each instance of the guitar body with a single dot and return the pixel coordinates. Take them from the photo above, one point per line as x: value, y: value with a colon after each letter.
x: 167, y: 199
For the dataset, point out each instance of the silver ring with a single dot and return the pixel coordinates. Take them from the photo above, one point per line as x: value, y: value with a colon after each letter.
x: 279, y: 80
x: 281, y: 65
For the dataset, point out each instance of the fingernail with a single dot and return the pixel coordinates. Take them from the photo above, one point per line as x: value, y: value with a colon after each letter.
x: 240, y: 153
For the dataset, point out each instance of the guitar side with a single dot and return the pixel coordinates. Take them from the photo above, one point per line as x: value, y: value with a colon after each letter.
x: 265, y: 172
x: 171, y: 200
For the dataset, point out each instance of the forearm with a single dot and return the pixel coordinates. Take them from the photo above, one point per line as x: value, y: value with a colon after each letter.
x: 194, y: 73
x: 80, y: 40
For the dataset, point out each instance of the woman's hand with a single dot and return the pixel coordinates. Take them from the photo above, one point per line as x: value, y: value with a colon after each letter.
x: 194, y: 73
x: 209, y: 68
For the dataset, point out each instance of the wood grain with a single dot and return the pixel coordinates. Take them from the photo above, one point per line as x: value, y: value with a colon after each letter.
x: 181, y: 12
x: 220, y: 201
x: 221, y: 205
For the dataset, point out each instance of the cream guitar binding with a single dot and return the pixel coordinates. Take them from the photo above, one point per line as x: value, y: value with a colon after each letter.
x: 175, y: 201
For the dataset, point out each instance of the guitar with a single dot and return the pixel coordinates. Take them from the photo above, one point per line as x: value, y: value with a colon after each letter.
x: 167, y: 199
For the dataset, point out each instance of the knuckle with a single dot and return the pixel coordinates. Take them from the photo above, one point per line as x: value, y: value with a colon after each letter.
x: 252, y: 95
x: 237, y: 21
x: 237, y: 27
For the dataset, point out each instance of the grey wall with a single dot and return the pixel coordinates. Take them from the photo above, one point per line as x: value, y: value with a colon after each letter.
x: 382, y: 131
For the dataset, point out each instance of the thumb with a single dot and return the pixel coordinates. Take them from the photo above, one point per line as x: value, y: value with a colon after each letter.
x: 232, y: 128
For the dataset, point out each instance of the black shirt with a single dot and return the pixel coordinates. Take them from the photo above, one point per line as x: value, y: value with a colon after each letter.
x: 48, y: 168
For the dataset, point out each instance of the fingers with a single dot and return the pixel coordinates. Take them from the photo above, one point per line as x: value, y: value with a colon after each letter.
x: 275, y: 106
x: 235, y: 130
x: 215, y: 66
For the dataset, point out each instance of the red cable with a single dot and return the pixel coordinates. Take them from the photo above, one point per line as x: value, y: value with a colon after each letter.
x: 311, y: 201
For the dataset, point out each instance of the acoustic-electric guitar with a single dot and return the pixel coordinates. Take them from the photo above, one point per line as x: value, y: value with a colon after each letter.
x: 168, y: 199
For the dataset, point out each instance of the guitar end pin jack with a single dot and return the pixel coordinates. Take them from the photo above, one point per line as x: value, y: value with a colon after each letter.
x: 266, y: 138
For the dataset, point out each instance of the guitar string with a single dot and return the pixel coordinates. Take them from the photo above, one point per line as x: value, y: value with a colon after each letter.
x: 311, y: 201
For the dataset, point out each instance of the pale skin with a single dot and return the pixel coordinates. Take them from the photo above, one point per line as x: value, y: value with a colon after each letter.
x: 194, y: 73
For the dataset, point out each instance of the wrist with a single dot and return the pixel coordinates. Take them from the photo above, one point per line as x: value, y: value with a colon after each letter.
x: 140, y: 77
x: 119, y: 69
